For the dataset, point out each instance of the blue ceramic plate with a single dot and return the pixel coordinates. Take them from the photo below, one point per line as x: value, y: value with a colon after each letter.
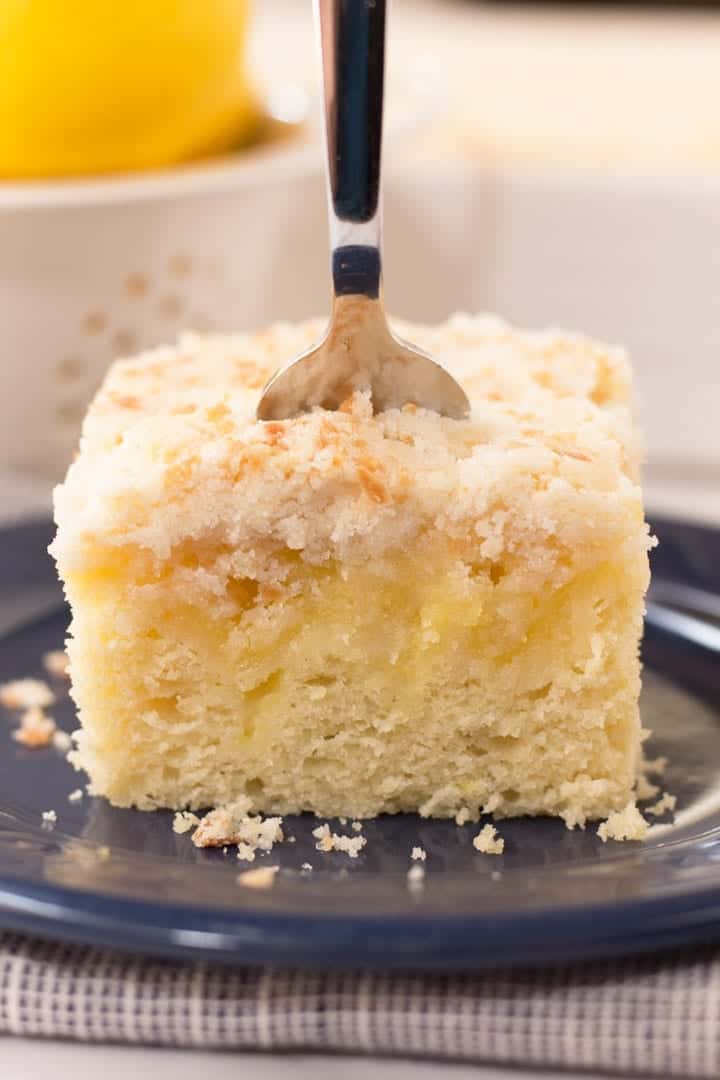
x: 553, y: 895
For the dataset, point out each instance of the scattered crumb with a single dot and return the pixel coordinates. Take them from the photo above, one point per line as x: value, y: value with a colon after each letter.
x: 462, y: 815
x: 234, y: 824
x: 260, y: 878
x: 646, y: 789
x: 62, y: 741
x: 49, y: 816
x: 327, y: 841
x: 76, y: 795
x: 291, y: 839
x: 357, y: 826
x: 342, y: 820
x: 665, y: 802
x: 245, y: 852
x: 418, y: 853
x: 26, y: 694
x: 103, y: 853
x: 56, y: 663
x: 416, y: 878
x: 654, y: 766
x: 625, y: 824
x: 488, y: 842
x: 184, y: 821
x: 36, y: 729
x: 306, y: 866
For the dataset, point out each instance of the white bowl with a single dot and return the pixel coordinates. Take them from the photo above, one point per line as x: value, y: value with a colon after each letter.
x: 95, y: 269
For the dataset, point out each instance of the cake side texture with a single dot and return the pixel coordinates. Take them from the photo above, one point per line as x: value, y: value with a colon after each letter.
x: 353, y: 613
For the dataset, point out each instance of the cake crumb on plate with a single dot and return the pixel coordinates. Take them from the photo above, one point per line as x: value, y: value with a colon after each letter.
x: 665, y: 802
x: 234, y: 824
x: 488, y: 842
x: 419, y: 854
x: 56, y: 663
x: 49, y: 816
x: 26, y: 694
x: 330, y: 841
x: 62, y: 741
x: 246, y: 852
x: 76, y: 795
x: 184, y: 821
x: 36, y: 729
x: 260, y: 878
x: 625, y: 824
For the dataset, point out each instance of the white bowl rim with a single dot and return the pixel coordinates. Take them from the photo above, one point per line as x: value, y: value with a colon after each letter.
x: 293, y: 156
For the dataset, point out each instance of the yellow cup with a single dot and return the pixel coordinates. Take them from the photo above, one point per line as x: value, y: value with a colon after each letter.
x: 97, y: 86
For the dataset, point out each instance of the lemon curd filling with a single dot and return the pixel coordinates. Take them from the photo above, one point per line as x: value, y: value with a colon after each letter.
x: 350, y: 613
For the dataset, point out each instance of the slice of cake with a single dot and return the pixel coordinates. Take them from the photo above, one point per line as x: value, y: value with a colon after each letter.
x: 350, y: 613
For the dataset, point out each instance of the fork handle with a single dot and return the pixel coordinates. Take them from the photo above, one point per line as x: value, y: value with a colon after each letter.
x: 352, y: 48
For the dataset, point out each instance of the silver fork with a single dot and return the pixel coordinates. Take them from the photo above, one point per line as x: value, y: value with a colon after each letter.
x: 359, y: 351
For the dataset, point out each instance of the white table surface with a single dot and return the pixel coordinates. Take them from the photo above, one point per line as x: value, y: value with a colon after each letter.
x: 25, y: 1059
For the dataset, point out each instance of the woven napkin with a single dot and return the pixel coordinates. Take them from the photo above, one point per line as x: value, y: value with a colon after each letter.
x: 655, y: 1015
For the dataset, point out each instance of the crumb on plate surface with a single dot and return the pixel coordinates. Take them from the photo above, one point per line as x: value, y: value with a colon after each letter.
x: 36, y: 729
x: 625, y: 824
x: 184, y: 821
x: 26, y: 694
x: 56, y: 663
x: 488, y: 842
x: 262, y: 877
x: 330, y: 841
x: 665, y: 803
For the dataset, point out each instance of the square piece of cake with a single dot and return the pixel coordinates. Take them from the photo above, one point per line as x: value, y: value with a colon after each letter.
x: 356, y: 614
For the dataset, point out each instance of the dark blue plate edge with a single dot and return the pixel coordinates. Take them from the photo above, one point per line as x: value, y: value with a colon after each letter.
x: 435, y: 942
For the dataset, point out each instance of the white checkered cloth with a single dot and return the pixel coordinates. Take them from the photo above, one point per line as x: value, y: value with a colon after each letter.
x: 653, y: 1015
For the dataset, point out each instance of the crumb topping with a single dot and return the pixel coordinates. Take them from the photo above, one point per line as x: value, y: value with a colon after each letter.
x: 549, y: 451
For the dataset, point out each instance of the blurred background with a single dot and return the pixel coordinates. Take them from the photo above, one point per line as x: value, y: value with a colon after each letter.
x: 161, y: 169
